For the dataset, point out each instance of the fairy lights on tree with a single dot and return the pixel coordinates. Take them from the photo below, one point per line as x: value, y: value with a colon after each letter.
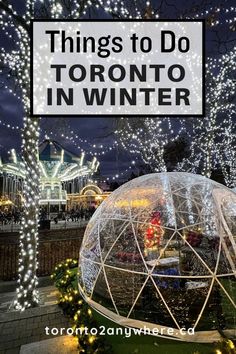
x: 213, y: 138
x: 16, y: 64
x: 147, y: 138
x: 15, y: 70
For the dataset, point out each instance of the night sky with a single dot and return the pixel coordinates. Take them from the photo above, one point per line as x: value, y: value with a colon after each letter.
x: 97, y: 130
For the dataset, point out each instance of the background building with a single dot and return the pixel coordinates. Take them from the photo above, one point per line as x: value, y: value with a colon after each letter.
x: 62, y: 172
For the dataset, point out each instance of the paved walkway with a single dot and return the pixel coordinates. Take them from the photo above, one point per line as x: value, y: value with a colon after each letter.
x: 17, y: 329
x: 48, y: 296
x: 61, y: 345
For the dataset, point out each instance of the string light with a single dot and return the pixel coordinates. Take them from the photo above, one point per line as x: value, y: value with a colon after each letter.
x: 212, y: 139
x: 16, y: 67
x: 153, y: 137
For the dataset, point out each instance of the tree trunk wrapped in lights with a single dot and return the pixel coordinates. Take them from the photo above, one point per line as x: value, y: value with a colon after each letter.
x: 27, y: 294
x: 15, y: 67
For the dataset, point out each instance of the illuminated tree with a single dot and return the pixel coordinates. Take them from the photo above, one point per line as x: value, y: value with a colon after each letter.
x: 16, y: 65
x: 212, y: 139
x: 15, y: 70
x: 147, y: 137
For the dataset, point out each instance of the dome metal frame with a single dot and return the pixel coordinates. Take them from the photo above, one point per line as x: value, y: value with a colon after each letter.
x: 185, y: 203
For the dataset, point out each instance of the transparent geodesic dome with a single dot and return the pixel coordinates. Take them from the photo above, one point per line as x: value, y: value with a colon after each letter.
x: 160, y: 252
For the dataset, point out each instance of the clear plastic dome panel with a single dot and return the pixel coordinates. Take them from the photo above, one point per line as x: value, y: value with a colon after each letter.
x: 160, y: 251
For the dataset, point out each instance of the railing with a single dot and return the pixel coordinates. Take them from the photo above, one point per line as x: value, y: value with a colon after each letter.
x: 62, y: 224
x: 55, y: 245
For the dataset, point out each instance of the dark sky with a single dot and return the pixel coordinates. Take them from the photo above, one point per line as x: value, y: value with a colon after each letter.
x: 95, y: 130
